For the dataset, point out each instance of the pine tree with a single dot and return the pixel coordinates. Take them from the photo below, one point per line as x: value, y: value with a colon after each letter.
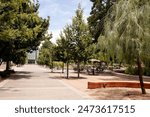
x: 97, y: 16
x: 20, y: 27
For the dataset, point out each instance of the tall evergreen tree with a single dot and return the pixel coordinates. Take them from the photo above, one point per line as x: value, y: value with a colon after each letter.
x: 97, y: 16
x: 20, y: 27
x: 81, y: 38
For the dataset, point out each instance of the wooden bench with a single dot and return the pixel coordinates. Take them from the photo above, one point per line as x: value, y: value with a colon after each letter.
x: 126, y: 84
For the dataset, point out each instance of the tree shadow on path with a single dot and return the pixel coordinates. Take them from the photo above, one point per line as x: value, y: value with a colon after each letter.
x: 20, y: 75
x: 70, y: 77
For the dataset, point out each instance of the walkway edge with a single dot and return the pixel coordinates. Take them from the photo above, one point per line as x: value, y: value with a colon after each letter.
x: 4, y: 82
x: 84, y: 95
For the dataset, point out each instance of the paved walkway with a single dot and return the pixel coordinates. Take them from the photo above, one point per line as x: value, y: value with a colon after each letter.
x: 34, y: 82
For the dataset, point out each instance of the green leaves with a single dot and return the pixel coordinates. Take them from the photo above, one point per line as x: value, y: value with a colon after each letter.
x: 127, y: 30
x: 46, y: 53
x: 75, y: 39
x: 97, y: 16
x: 20, y: 26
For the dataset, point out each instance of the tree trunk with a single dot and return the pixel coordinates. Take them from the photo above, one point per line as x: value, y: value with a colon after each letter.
x: 78, y: 68
x: 7, y: 65
x: 67, y: 69
x: 52, y: 66
x: 63, y: 68
x: 120, y: 65
x: 140, y: 75
x: 1, y: 63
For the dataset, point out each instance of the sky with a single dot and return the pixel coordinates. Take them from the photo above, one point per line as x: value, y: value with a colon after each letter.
x: 61, y: 13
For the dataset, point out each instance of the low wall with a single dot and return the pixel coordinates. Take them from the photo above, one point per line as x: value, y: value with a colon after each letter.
x: 126, y: 84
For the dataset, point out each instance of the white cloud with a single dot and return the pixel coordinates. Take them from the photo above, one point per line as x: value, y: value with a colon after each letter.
x: 61, y: 13
x: 55, y: 34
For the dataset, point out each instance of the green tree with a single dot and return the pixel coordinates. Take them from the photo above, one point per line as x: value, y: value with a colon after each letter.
x: 64, y: 46
x: 60, y: 50
x: 20, y: 27
x: 19, y: 57
x: 74, y: 42
x: 46, y: 53
x: 128, y: 34
x: 81, y: 39
x: 97, y: 16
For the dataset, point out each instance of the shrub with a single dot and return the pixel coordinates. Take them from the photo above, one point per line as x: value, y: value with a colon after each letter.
x: 81, y: 68
x: 146, y: 71
x: 134, y: 71
x: 131, y: 70
x: 58, y: 65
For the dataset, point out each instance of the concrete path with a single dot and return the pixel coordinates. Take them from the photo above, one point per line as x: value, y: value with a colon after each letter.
x: 34, y: 82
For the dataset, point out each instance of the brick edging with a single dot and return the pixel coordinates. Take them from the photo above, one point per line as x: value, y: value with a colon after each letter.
x: 126, y: 84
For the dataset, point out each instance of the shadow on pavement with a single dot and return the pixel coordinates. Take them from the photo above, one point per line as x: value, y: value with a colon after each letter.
x: 53, y: 72
x: 9, y: 89
x: 97, y: 74
x: 70, y: 77
x: 23, y: 72
x: 21, y: 75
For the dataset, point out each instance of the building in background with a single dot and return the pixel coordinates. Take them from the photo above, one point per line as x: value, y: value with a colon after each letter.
x: 32, y: 57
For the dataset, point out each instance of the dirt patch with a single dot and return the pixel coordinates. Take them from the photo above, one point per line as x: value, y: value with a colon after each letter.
x: 119, y: 94
x: 103, y: 93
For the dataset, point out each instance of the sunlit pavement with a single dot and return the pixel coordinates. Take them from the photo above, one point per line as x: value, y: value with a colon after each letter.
x: 33, y: 82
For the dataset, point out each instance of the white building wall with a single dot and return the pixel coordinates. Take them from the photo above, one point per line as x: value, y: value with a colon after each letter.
x: 32, y: 57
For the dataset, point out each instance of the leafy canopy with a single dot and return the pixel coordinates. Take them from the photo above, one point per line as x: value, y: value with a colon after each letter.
x: 20, y: 27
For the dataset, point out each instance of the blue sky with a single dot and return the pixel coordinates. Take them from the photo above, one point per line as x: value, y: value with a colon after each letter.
x: 61, y: 13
